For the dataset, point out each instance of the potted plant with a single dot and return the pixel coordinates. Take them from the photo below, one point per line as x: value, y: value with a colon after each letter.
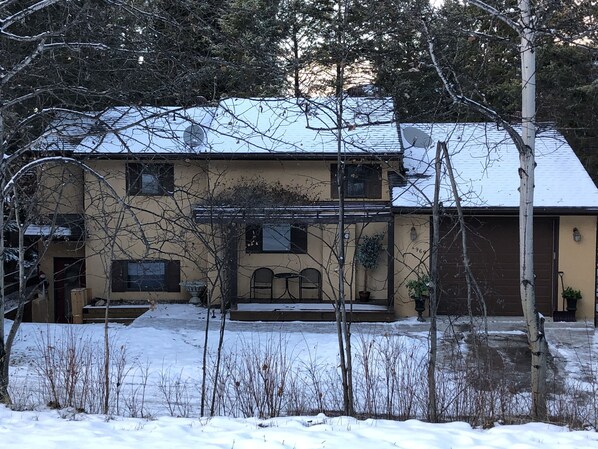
x: 418, y: 291
x: 571, y: 295
x: 367, y: 255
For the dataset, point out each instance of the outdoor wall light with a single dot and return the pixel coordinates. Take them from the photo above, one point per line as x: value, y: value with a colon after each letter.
x: 576, y: 235
x: 413, y: 234
x: 347, y: 235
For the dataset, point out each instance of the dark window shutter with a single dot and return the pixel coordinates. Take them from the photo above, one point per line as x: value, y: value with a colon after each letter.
x: 253, y: 239
x: 299, y: 239
x: 173, y: 276
x: 333, y: 179
x: 133, y: 179
x: 118, y: 273
x: 166, y: 176
x: 374, y: 181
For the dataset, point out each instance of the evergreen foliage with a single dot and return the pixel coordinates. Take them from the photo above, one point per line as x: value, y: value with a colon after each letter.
x: 368, y: 250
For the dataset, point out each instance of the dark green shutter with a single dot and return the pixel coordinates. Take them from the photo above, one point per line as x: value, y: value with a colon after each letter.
x: 373, y: 182
x: 118, y: 272
x: 333, y: 179
x: 173, y: 276
x: 166, y: 177
x: 299, y: 239
x: 133, y: 179
x: 253, y: 239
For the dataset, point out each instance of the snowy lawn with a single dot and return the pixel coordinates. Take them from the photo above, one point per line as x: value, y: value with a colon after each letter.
x: 62, y: 430
x: 156, y: 363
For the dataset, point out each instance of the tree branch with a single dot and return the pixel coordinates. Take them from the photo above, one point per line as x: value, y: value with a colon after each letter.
x: 5, y: 78
x: 459, y: 98
x: 25, y: 12
x: 496, y: 13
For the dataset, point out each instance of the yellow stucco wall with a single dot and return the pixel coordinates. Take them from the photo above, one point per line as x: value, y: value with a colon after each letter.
x: 60, y: 189
x: 577, y: 260
x: 149, y: 227
x: 160, y: 228
x: 312, y: 177
x: 411, y: 258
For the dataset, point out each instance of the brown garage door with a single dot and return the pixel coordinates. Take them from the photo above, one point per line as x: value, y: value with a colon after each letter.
x: 493, y: 247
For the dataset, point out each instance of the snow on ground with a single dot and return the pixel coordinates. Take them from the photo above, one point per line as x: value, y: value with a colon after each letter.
x: 167, y: 343
x: 163, y: 350
x: 54, y: 429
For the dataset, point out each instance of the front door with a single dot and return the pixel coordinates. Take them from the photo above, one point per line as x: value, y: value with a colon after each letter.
x: 69, y: 273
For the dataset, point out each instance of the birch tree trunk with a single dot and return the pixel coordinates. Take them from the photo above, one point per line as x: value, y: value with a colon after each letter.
x: 525, y: 143
x: 534, y: 322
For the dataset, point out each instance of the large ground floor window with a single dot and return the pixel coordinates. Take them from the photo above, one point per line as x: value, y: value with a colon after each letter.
x: 146, y: 275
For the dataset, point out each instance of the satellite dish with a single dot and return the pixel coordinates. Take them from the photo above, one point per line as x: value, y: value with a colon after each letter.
x: 194, y: 136
x: 417, y: 138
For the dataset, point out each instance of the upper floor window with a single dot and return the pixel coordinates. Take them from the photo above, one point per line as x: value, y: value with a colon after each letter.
x: 276, y: 238
x: 150, y: 179
x: 361, y: 181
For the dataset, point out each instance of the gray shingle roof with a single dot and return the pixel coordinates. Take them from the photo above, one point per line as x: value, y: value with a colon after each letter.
x: 486, y: 163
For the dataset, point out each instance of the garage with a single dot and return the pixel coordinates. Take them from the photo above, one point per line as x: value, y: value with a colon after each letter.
x: 493, y: 247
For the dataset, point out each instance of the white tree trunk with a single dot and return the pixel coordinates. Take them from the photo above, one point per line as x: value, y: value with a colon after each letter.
x: 534, y: 322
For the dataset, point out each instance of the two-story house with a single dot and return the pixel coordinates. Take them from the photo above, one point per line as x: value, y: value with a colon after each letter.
x: 151, y: 196
x: 217, y: 193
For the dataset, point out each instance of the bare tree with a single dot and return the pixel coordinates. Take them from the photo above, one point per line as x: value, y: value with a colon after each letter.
x: 38, y: 42
x: 525, y: 25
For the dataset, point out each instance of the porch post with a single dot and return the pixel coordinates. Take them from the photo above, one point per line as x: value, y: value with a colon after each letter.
x: 233, y: 265
x: 390, y: 275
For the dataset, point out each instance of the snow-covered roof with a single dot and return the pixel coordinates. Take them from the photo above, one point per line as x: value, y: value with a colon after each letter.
x: 485, y: 163
x: 292, y: 125
x: 149, y: 130
x: 243, y: 127
x: 47, y: 230
x: 66, y: 131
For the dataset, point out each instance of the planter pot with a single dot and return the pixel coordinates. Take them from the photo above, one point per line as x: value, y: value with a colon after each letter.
x: 420, y: 307
x: 563, y: 315
x: 197, y: 289
x: 571, y: 304
x: 364, y: 296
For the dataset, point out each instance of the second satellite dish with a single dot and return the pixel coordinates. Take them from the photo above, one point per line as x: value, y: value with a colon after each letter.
x: 417, y: 138
x: 194, y: 136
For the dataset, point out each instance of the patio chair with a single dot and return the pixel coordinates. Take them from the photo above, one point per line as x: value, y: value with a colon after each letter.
x: 310, y: 279
x: 261, y: 279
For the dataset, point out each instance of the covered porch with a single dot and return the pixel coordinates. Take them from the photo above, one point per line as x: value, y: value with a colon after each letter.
x: 281, y: 264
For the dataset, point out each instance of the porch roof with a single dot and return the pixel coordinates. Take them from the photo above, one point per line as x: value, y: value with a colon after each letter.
x: 324, y: 213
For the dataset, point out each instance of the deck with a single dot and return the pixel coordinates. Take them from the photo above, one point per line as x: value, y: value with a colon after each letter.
x: 124, y: 314
x: 306, y: 311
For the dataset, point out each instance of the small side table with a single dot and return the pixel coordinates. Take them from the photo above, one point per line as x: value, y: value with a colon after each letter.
x: 286, y: 276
